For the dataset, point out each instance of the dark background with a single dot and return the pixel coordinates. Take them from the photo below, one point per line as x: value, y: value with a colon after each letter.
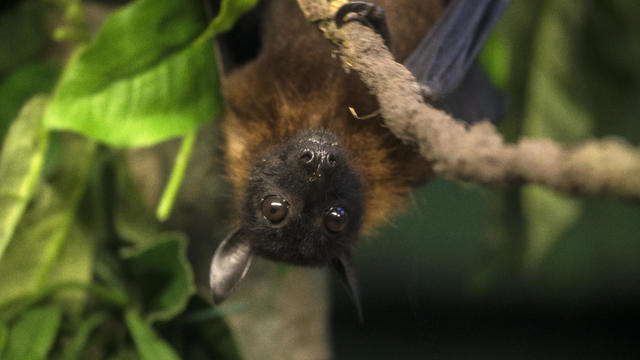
x: 470, y: 272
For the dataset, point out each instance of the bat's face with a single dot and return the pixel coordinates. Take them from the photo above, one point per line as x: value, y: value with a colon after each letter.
x: 304, y: 202
x: 303, y: 205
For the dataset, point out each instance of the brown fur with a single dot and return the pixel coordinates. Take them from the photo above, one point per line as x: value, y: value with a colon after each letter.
x: 296, y: 84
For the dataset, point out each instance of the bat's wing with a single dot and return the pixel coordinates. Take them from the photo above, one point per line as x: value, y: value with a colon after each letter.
x: 444, y: 62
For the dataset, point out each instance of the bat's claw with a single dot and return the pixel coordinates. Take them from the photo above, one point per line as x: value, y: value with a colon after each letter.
x: 368, y: 14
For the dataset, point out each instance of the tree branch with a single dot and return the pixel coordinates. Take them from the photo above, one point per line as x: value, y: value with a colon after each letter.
x: 474, y: 152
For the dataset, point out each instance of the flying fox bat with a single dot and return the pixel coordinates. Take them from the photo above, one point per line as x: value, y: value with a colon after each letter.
x: 309, y: 176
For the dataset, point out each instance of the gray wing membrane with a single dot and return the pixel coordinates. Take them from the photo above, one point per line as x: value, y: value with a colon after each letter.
x: 444, y: 62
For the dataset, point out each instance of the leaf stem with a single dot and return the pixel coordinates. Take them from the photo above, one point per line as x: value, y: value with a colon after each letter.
x: 230, y: 11
x: 177, y: 175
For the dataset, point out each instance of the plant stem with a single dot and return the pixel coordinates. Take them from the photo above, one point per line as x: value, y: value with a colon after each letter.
x: 177, y: 174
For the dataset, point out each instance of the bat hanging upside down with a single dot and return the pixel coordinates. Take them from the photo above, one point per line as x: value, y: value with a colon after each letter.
x: 309, y: 175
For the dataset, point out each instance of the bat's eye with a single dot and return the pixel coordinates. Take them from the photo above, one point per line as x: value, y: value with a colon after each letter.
x: 336, y: 219
x: 275, y: 208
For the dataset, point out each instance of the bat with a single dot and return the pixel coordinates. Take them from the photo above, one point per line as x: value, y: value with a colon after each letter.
x: 309, y: 176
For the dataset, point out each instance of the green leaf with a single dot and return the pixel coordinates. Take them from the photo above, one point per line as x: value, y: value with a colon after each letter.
x: 495, y: 59
x: 163, y: 277
x: 156, y: 261
x: 47, y: 248
x: 21, y: 162
x: 73, y: 264
x: 4, y: 333
x: 143, y: 79
x: 554, y: 110
x: 230, y: 11
x: 32, y: 337
x: 149, y: 345
x: 19, y: 86
x: 134, y: 222
x: 201, y: 332
x: 74, y: 348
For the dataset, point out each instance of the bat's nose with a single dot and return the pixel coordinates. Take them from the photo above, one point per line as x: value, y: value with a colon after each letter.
x: 319, y: 152
x: 318, y: 161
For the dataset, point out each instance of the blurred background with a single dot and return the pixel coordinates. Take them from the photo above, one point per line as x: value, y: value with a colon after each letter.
x: 471, y: 272
x: 464, y: 272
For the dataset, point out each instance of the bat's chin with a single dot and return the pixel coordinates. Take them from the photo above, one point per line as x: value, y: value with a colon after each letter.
x: 306, y: 252
x: 298, y: 259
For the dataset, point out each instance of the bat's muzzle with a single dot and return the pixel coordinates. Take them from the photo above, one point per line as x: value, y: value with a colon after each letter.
x: 320, y: 153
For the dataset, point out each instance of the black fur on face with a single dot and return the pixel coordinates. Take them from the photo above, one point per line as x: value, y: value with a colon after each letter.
x: 303, y: 206
x: 311, y: 175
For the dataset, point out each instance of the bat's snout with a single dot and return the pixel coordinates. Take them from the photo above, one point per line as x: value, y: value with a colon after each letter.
x: 319, y: 161
x: 319, y: 152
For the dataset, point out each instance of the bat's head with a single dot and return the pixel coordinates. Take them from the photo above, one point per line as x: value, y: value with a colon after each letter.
x: 303, y: 205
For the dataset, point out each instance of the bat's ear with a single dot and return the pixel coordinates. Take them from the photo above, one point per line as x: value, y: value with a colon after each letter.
x: 347, y: 276
x: 229, y: 264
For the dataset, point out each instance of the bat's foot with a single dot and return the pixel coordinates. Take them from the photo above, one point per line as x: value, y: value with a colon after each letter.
x: 368, y: 14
